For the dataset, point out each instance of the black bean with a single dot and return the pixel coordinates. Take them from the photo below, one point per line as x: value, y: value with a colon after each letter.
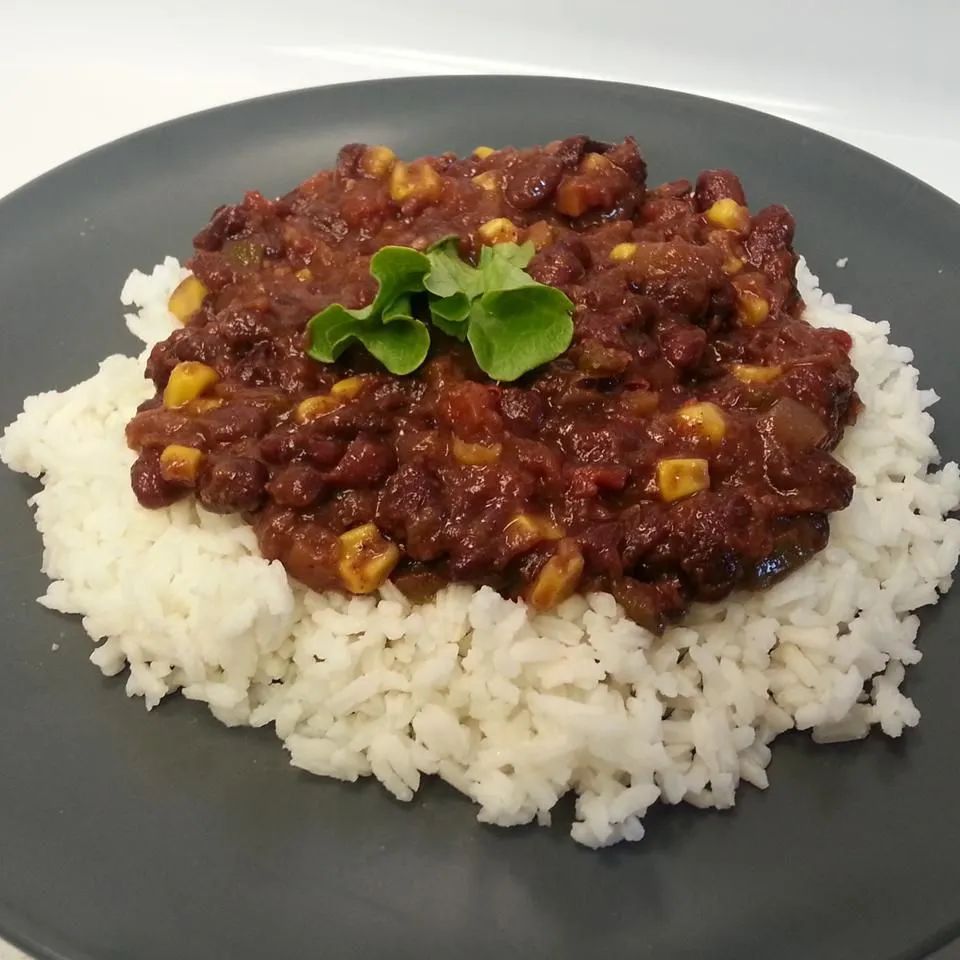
x: 149, y: 486
x: 714, y: 185
x: 230, y: 484
x: 533, y: 181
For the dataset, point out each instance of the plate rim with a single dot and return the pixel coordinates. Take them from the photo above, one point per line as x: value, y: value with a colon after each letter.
x: 154, y: 128
x: 936, y: 941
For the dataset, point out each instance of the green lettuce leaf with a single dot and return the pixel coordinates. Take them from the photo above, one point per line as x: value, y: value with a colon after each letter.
x: 513, y: 331
x: 449, y: 274
x: 454, y: 284
x: 502, y: 266
x: 401, y: 346
x: 450, y: 314
x: 512, y: 322
x: 386, y: 327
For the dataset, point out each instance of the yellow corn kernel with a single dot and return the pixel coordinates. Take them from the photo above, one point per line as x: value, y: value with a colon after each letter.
x: 679, y: 478
x: 622, y: 252
x: 729, y: 215
x: 705, y: 419
x: 304, y: 275
x: 185, y: 301
x: 203, y: 405
x: 731, y: 265
x: 366, y: 558
x: 475, y: 454
x: 347, y: 389
x: 487, y: 181
x: 748, y: 373
x: 595, y: 163
x: 377, y: 161
x: 187, y: 381
x: 313, y: 408
x: 180, y: 464
x: 498, y: 230
x: 558, y: 577
x: 526, y: 530
x: 540, y: 234
x: 752, y: 309
x: 244, y: 253
x: 401, y: 185
x: 415, y: 181
x: 481, y: 153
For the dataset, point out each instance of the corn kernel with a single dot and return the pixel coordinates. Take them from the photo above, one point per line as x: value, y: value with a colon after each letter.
x: 731, y: 265
x: 540, y: 234
x: 558, y: 577
x: 481, y: 153
x: 729, y: 215
x: 487, y: 181
x: 748, y: 373
x: 704, y: 419
x: 347, y: 389
x: 203, y: 405
x: 526, y: 530
x: 622, y: 252
x: 752, y: 309
x: 179, y: 464
x: 595, y: 163
x: 313, y: 408
x: 187, y: 381
x: 475, y: 454
x: 304, y: 275
x: 498, y: 230
x: 679, y: 478
x: 186, y: 299
x: 401, y: 185
x: 573, y: 197
x: 366, y: 558
x: 417, y: 181
x: 244, y: 253
x: 377, y: 161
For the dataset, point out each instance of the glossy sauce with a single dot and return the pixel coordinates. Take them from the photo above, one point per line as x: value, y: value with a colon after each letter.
x: 675, y: 304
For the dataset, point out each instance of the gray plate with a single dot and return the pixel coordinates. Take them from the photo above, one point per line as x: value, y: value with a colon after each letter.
x: 127, y: 835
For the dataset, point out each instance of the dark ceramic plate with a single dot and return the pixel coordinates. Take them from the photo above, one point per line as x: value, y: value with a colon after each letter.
x: 140, y: 837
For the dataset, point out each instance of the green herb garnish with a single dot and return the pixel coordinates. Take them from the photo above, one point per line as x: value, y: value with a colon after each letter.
x: 511, y: 322
x: 387, y: 327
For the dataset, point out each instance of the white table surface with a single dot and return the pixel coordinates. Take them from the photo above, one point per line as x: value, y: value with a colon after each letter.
x: 880, y: 74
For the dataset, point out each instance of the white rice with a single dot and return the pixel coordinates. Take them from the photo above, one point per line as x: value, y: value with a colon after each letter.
x: 512, y: 709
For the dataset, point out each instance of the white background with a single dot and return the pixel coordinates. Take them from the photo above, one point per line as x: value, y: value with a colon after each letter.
x: 881, y: 74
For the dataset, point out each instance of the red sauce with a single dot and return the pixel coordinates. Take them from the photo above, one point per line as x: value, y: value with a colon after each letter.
x: 700, y: 308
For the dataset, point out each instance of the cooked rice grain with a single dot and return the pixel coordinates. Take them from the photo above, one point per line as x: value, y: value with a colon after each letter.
x: 511, y: 708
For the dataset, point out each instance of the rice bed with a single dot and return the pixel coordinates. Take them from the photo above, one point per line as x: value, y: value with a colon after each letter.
x: 511, y: 708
